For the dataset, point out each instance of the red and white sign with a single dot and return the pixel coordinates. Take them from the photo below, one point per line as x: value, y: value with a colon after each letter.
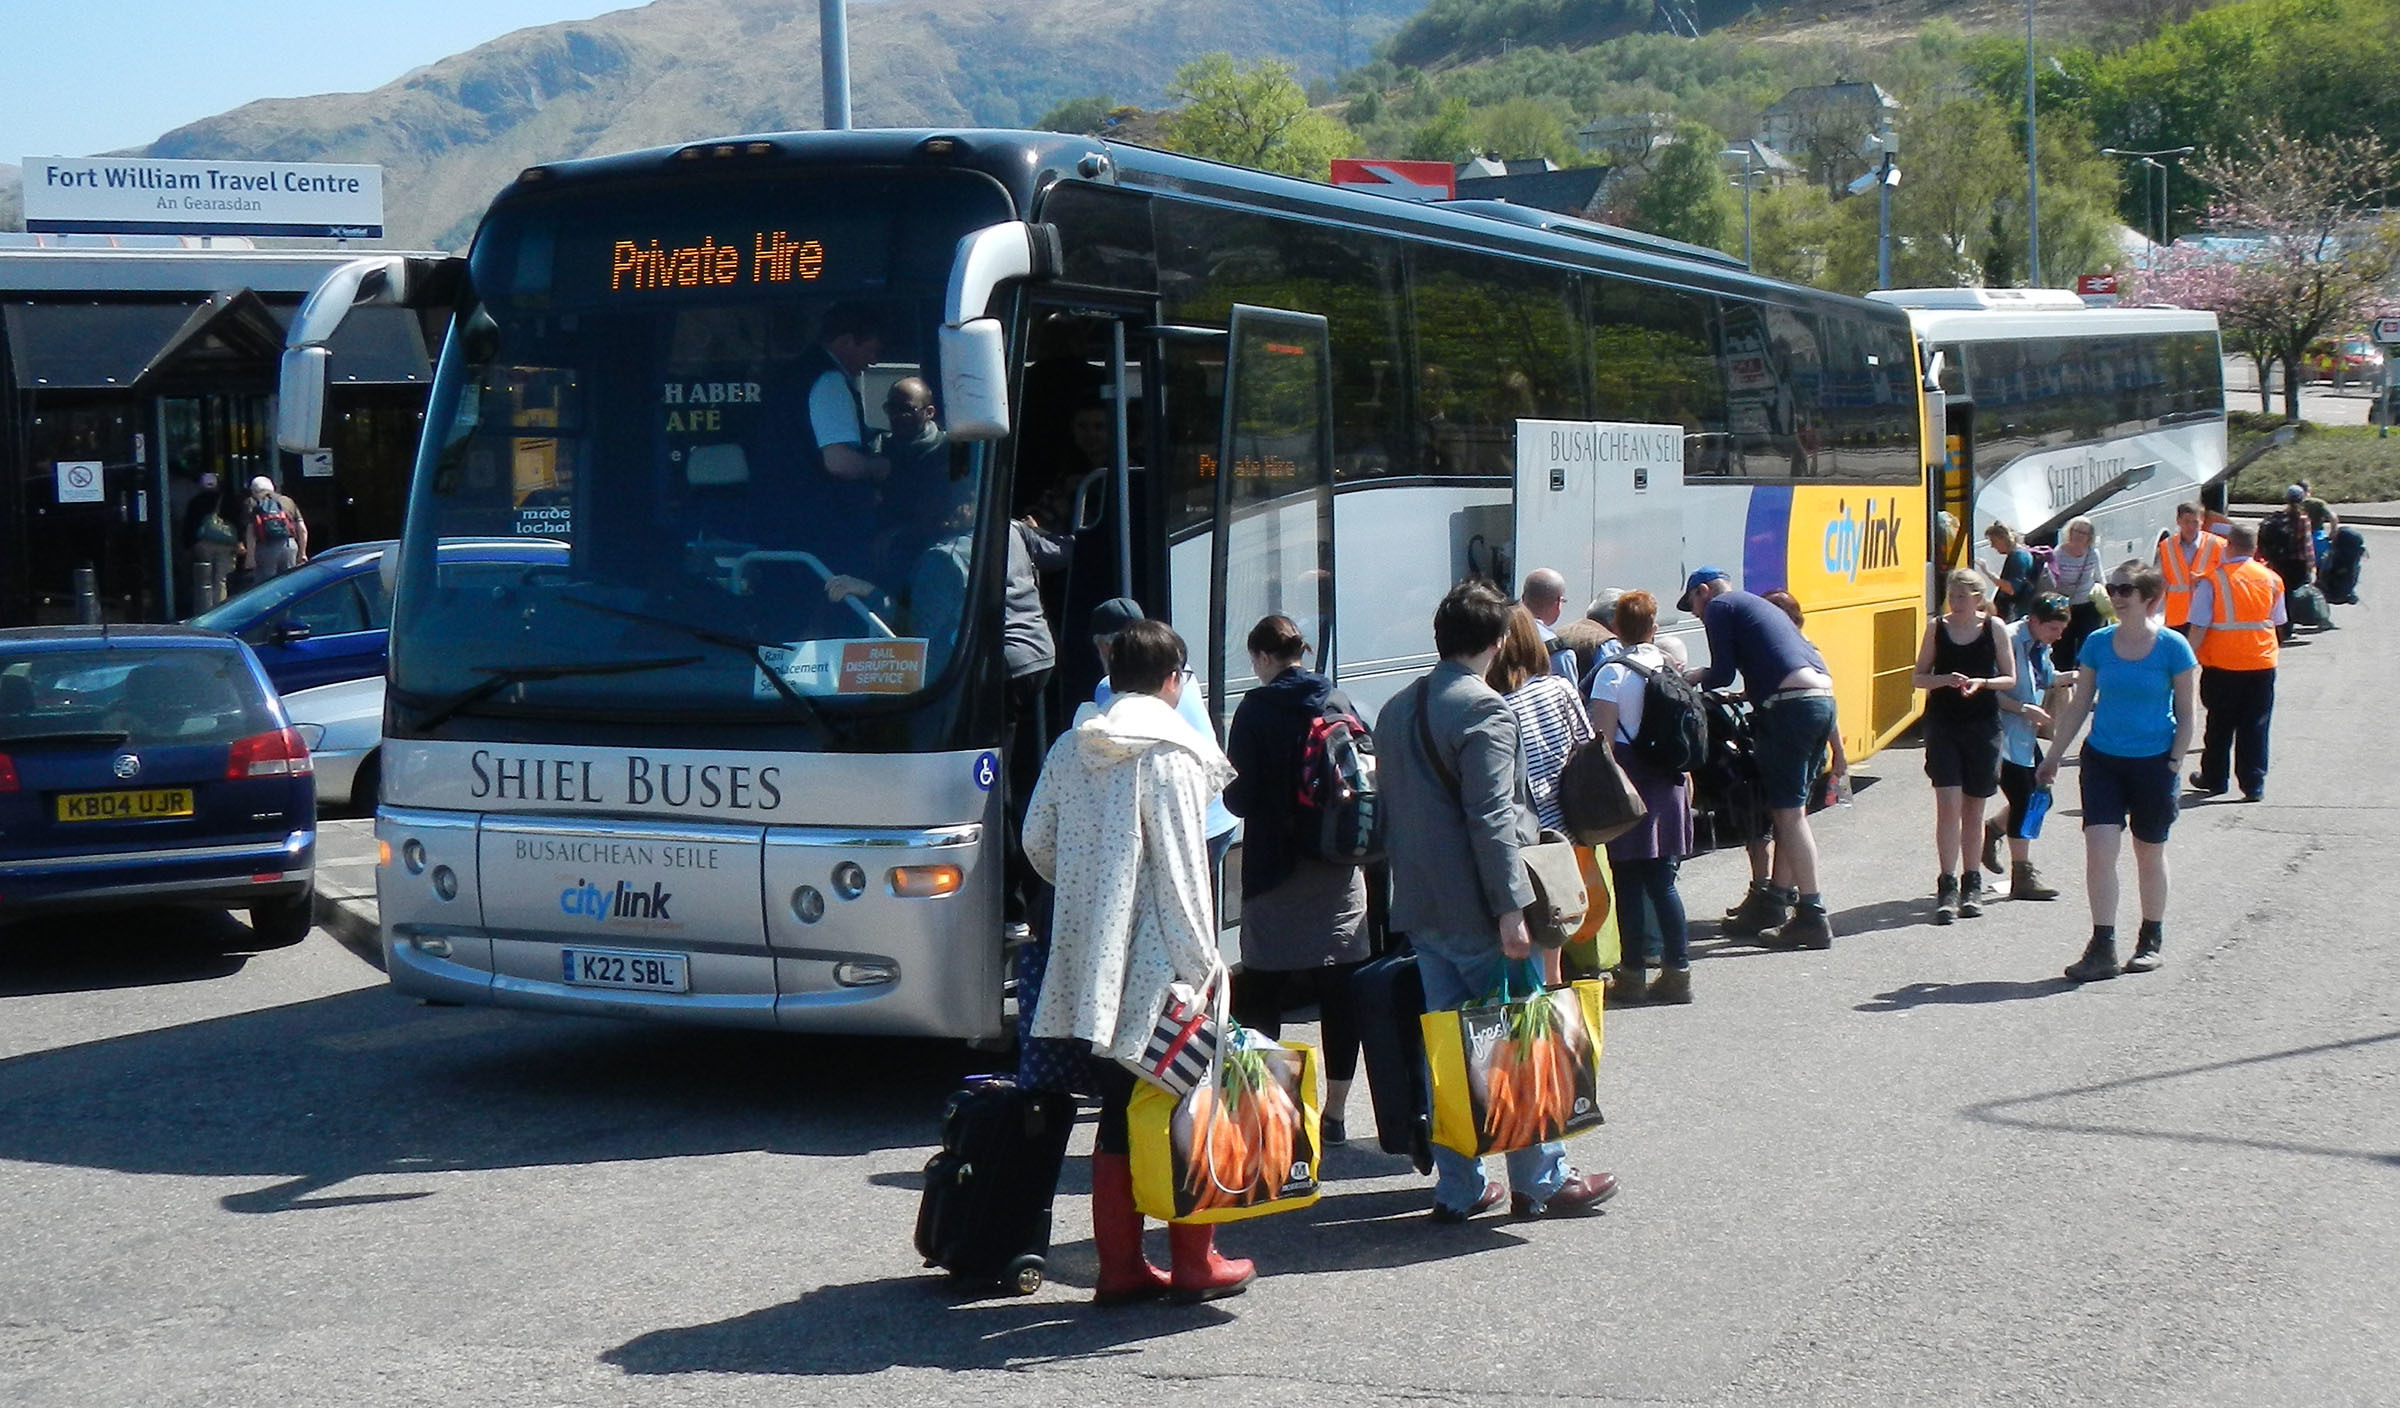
x: 2387, y: 330
x: 2096, y: 285
x: 1408, y: 180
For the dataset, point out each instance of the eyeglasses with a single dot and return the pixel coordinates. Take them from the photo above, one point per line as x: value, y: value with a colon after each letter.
x: 2122, y: 589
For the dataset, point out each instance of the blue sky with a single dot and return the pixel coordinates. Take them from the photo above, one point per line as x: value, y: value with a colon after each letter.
x: 84, y: 76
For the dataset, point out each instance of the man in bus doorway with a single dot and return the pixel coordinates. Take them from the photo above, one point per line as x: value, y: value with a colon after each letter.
x: 2235, y: 614
x: 2184, y: 558
x: 1748, y: 635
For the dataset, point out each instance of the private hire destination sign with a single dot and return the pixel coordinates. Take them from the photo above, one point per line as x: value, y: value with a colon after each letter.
x: 138, y: 195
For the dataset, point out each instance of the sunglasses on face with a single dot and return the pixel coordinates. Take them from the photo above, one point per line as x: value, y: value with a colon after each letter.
x: 2122, y: 589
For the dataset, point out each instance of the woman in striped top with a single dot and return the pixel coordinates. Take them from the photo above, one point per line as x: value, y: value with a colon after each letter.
x: 1549, y: 714
x: 2075, y: 571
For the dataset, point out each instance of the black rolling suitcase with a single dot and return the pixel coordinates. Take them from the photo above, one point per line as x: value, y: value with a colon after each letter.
x: 1389, y: 998
x: 986, y: 1214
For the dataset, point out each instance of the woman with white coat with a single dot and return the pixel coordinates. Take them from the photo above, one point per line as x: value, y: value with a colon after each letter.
x: 1117, y: 825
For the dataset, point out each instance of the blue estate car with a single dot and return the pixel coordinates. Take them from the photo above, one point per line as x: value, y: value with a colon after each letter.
x: 144, y: 765
x: 329, y: 620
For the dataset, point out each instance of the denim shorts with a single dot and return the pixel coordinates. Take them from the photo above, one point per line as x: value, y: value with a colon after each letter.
x: 1787, y: 735
x: 2142, y: 790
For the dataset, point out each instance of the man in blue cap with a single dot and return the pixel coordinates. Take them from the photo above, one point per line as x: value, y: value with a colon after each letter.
x: 1792, y: 695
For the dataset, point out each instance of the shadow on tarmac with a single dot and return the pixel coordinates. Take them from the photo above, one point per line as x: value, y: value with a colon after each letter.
x: 366, y: 1083
x: 871, y: 1326
x: 2013, y: 1111
x: 1902, y: 999
x: 877, y: 1325
x: 114, y: 949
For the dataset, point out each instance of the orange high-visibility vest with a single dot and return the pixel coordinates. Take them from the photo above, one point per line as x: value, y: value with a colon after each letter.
x: 2208, y: 554
x: 2241, y: 624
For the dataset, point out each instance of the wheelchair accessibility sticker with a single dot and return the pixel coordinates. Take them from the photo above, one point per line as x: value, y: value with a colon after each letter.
x: 987, y: 770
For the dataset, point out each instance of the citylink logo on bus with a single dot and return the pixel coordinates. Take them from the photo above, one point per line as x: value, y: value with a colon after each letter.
x: 585, y: 900
x: 1867, y: 542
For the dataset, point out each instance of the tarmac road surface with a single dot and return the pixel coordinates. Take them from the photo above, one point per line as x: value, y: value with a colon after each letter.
x: 1920, y: 1168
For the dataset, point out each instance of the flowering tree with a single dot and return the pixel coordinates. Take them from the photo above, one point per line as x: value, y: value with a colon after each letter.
x: 2301, y: 247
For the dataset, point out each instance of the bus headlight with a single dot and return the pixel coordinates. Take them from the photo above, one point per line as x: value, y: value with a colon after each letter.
x: 925, y: 882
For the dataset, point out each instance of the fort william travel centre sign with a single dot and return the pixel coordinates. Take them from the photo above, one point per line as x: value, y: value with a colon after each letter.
x: 135, y: 195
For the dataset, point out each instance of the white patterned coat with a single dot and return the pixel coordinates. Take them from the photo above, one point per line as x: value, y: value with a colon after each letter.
x: 1118, y: 824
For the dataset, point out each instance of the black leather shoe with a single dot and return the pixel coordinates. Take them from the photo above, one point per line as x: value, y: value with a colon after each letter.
x: 1492, y: 1194
x: 1580, y: 1194
x: 2201, y: 786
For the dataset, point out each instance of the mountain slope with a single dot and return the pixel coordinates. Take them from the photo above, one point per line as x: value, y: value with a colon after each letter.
x: 450, y: 135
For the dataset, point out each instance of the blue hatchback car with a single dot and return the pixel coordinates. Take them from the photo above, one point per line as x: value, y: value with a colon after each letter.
x: 144, y: 765
x: 329, y: 620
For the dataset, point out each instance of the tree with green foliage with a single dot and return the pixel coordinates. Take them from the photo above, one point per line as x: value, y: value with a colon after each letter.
x: 1449, y: 135
x: 1957, y: 160
x: 1257, y: 117
x: 1685, y: 196
x: 1793, y: 231
x: 1083, y: 115
x: 1524, y: 129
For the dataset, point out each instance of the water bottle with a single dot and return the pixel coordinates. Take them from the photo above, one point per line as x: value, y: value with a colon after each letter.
x: 2037, y: 807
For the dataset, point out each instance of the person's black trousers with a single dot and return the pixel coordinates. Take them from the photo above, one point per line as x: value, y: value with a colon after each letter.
x: 2241, y: 705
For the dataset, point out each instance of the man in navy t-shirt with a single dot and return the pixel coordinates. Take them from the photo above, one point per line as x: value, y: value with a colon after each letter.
x: 1792, y: 697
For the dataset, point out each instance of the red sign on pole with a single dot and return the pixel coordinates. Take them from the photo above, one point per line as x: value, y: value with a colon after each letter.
x: 2096, y: 285
x: 1408, y: 180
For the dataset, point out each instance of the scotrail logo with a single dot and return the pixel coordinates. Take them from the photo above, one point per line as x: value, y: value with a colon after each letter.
x: 586, y: 900
x: 1855, y: 545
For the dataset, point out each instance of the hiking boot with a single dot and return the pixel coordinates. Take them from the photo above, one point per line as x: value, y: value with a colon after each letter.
x: 1807, y: 928
x: 1673, y: 988
x: 1970, y: 895
x: 1760, y: 910
x: 1945, y: 899
x: 2204, y: 787
x: 2099, y: 962
x: 1628, y: 985
x: 2145, y: 953
x: 1993, y: 834
x: 2025, y: 883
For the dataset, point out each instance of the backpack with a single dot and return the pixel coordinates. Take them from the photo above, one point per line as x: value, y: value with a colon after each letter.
x: 273, y: 523
x: 1339, y: 812
x: 2045, y: 563
x: 1674, y: 732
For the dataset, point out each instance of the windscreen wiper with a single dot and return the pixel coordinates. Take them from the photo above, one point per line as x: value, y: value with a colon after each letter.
x: 500, y: 677
x: 756, y: 649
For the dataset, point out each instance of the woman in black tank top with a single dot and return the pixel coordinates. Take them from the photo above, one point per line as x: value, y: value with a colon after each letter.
x: 1964, y: 660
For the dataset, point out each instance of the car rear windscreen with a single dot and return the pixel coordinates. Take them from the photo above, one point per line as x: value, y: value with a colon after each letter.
x: 128, y: 696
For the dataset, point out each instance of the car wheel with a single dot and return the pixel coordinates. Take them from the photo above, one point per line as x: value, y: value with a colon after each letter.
x: 366, y: 785
x: 284, y: 922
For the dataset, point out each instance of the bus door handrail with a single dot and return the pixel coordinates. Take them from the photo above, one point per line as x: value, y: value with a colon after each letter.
x: 740, y: 567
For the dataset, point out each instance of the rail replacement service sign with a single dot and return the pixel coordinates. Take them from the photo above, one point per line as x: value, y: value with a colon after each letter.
x: 104, y: 195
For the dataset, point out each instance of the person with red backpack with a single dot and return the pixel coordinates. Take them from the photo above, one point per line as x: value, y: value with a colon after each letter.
x: 274, y: 535
x: 1303, y: 910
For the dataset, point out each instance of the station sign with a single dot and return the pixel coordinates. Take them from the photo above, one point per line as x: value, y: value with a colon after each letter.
x: 1408, y: 180
x: 2387, y: 330
x: 138, y: 195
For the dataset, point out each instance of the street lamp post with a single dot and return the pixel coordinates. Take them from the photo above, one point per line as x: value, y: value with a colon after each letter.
x: 1749, y: 169
x: 2033, y: 180
x: 833, y: 34
x: 2150, y: 162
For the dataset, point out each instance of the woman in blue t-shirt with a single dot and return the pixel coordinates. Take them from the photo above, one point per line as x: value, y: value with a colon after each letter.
x: 2139, y: 686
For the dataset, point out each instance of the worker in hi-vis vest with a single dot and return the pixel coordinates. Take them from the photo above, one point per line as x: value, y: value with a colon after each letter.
x: 2186, y: 557
x: 2234, y: 613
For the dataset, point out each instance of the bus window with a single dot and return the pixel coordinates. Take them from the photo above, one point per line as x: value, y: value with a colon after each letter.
x: 1654, y: 362
x: 1496, y: 343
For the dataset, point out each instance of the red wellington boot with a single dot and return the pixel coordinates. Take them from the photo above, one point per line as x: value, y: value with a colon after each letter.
x: 1125, y: 1275
x: 1200, y: 1274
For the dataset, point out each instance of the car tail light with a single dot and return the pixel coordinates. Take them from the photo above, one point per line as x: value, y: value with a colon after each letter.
x: 8, y: 773
x: 276, y: 754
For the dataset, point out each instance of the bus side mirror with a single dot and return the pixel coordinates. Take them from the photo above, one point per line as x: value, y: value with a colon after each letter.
x: 300, y: 399
x: 975, y: 379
